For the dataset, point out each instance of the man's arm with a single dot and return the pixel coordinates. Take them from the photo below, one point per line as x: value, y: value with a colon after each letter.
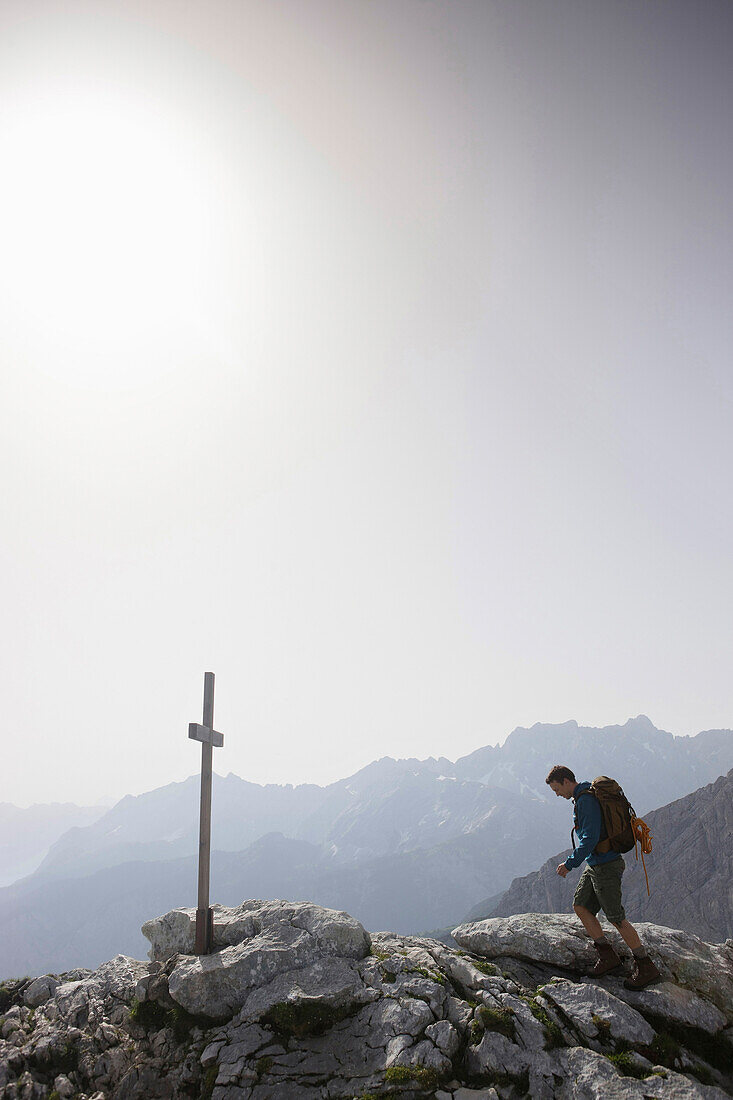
x: 588, y: 831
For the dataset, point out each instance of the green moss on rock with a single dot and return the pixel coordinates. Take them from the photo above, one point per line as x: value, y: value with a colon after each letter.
x: 263, y: 1065
x: 301, y: 1018
x: 152, y: 1016
x: 149, y: 1015
x: 433, y: 975
x: 497, y: 1019
x: 663, y: 1049
x: 603, y: 1027
x: 424, y: 1076
x: 553, y: 1035
x: 486, y: 968
x: 626, y: 1066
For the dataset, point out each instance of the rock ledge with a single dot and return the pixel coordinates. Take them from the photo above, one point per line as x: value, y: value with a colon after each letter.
x: 299, y: 1002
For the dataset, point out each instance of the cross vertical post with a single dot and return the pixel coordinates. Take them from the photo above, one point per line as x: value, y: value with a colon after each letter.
x: 204, y: 915
x: 208, y: 737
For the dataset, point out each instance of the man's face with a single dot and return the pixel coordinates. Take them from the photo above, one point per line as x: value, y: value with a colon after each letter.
x: 564, y: 789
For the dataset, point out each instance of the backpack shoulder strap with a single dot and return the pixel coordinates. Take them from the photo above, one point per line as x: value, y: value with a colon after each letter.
x: 575, y: 800
x: 575, y: 814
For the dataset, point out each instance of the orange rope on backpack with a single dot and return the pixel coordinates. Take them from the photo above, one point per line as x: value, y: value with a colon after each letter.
x: 642, y: 839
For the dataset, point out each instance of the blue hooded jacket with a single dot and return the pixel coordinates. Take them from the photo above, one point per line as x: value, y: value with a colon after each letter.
x: 589, y: 831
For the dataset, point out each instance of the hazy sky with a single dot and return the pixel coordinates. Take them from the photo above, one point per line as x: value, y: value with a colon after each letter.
x: 373, y: 354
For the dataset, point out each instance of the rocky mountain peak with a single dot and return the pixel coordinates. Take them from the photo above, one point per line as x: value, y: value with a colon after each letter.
x: 300, y: 1002
x: 641, y: 722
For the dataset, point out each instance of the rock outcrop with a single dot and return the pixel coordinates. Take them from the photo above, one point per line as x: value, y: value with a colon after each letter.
x: 298, y: 1002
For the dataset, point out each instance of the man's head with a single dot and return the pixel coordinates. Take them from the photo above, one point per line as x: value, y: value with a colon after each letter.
x: 562, y: 781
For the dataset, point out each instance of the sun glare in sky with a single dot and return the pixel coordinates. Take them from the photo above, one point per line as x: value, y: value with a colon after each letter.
x: 105, y: 247
x: 373, y: 356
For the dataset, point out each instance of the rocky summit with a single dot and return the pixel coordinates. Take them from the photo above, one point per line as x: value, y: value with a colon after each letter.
x: 298, y: 1001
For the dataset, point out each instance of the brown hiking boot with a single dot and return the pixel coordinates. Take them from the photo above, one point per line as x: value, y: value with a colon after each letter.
x: 607, y: 960
x: 643, y: 974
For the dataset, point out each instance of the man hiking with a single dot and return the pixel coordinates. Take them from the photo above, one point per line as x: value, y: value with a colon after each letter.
x: 599, y: 886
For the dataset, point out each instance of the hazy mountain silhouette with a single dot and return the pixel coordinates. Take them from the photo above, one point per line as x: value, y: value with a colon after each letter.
x: 27, y: 834
x: 392, y: 806
x: 403, y: 844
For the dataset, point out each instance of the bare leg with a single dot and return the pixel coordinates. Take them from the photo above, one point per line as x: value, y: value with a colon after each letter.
x: 590, y: 923
x: 629, y: 934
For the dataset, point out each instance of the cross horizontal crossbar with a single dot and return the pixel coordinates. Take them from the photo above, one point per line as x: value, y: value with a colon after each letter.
x: 197, y: 732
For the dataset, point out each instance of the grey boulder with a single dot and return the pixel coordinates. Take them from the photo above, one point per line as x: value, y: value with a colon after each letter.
x: 39, y: 991
x: 270, y: 953
x: 594, y: 1010
x: 560, y: 940
x: 335, y: 932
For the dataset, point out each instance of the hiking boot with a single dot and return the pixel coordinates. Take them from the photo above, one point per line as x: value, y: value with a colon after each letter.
x: 643, y: 974
x: 607, y: 960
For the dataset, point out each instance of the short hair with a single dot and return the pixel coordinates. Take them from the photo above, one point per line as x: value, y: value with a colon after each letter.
x: 558, y: 774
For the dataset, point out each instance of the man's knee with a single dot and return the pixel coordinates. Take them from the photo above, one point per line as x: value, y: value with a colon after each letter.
x: 580, y: 911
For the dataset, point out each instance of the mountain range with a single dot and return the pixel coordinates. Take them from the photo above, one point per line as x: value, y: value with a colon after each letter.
x: 406, y: 845
x: 26, y: 834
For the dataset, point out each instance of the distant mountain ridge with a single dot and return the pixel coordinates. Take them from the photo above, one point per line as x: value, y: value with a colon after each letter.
x: 393, y: 806
x: 690, y: 870
x: 407, y: 845
x: 48, y: 924
x: 27, y: 833
x: 680, y: 764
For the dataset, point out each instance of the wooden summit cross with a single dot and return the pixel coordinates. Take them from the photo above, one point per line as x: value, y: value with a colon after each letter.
x: 208, y: 737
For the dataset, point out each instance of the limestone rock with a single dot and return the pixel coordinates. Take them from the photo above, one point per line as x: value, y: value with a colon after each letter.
x: 592, y: 1009
x: 305, y: 1005
x: 551, y: 938
x: 445, y: 1036
x: 590, y: 1076
x: 673, y: 1002
x: 334, y: 931
x: 285, y: 953
x: 475, y: 1094
x: 39, y: 991
x: 560, y: 940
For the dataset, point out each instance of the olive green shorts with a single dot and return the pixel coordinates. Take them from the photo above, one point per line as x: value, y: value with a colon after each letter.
x: 599, y: 887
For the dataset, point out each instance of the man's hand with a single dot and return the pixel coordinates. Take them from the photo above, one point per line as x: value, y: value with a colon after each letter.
x: 562, y: 870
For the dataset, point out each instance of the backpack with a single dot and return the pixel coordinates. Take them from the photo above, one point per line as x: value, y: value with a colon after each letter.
x: 618, y: 816
x: 621, y: 829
